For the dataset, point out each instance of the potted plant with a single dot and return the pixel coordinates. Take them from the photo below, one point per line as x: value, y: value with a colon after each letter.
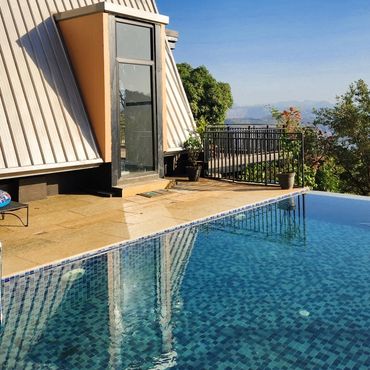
x: 193, y: 146
x: 286, y: 179
x: 286, y: 176
x: 289, y: 121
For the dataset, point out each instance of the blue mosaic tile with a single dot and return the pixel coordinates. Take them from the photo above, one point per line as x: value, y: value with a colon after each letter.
x: 157, y: 234
x: 273, y: 287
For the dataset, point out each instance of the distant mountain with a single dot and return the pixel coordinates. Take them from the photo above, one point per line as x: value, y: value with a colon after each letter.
x: 250, y: 121
x: 260, y: 114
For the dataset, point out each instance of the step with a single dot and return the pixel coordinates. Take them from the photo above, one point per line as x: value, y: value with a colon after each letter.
x: 138, y: 177
x: 145, y: 185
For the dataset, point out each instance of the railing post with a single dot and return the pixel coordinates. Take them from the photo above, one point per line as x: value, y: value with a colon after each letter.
x: 233, y: 154
x: 206, y: 153
x: 265, y: 157
x: 302, y: 158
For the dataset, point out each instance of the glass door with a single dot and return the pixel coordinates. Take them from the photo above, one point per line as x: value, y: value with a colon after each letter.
x: 135, y: 93
x: 136, y: 118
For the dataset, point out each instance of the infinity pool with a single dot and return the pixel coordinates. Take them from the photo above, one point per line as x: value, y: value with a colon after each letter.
x: 282, y: 286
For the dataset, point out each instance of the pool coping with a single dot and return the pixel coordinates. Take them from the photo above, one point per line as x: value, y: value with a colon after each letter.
x: 340, y: 195
x: 125, y: 243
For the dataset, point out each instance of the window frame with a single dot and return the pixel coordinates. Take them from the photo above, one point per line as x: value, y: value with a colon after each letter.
x: 156, y: 91
x: 152, y: 39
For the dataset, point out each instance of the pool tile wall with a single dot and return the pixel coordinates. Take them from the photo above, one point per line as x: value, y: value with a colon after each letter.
x: 154, y: 235
x: 193, y: 298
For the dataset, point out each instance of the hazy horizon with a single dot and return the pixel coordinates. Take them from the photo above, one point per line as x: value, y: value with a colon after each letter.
x: 271, y: 51
x: 288, y: 103
x: 261, y: 112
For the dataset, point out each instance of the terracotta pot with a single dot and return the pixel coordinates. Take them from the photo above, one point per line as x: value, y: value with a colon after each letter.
x: 193, y: 172
x: 286, y: 180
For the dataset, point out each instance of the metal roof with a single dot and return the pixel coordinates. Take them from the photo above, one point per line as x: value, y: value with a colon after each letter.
x: 43, y: 123
x: 180, y: 119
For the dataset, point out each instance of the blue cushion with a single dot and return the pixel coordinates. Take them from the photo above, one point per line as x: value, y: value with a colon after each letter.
x: 5, y: 198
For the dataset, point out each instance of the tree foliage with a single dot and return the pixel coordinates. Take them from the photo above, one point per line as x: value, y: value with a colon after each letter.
x: 321, y: 170
x: 323, y: 147
x: 337, y: 146
x: 209, y: 99
x: 348, y: 138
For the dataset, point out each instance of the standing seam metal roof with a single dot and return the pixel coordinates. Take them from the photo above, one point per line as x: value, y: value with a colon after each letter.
x: 180, y: 119
x: 43, y: 122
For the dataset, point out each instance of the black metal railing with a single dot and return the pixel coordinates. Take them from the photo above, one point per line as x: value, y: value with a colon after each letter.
x: 253, y: 155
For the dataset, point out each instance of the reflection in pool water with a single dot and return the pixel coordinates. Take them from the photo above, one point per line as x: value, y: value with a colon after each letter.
x: 280, y: 286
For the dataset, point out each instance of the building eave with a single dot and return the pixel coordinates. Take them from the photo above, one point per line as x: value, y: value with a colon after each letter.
x: 10, y: 173
x: 115, y: 9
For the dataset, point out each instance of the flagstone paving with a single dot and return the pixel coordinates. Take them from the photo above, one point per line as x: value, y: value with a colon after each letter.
x: 66, y: 225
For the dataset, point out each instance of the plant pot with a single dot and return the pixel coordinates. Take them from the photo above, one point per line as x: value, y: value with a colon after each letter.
x: 286, y: 180
x: 193, y: 172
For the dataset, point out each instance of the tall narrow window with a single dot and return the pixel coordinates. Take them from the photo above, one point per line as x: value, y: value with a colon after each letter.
x: 135, y: 85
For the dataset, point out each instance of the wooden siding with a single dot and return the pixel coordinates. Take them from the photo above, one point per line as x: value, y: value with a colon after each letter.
x: 43, y: 122
x: 179, y: 118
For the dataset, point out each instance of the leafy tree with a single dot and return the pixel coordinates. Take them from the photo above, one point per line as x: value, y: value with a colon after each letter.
x: 320, y: 169
x: 209, y: 99
x: 328, y: 176
x: 348, y: 124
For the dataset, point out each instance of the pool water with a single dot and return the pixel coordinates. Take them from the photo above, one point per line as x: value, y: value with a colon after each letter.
x: 283, y: 286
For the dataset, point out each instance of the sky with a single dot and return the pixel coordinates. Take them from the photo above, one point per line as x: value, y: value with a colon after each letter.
x: 275, y: 50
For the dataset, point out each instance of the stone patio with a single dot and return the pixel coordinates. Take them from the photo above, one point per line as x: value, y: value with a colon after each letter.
x: 66, y: 225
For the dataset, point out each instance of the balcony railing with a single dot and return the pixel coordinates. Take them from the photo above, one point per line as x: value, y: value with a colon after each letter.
x: 253, y: 155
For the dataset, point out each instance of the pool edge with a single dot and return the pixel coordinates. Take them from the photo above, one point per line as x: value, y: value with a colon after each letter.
x: 111, y: 247
x: 340, y: 195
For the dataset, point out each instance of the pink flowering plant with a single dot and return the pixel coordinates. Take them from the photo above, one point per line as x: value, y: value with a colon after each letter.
x: 289, y: 121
